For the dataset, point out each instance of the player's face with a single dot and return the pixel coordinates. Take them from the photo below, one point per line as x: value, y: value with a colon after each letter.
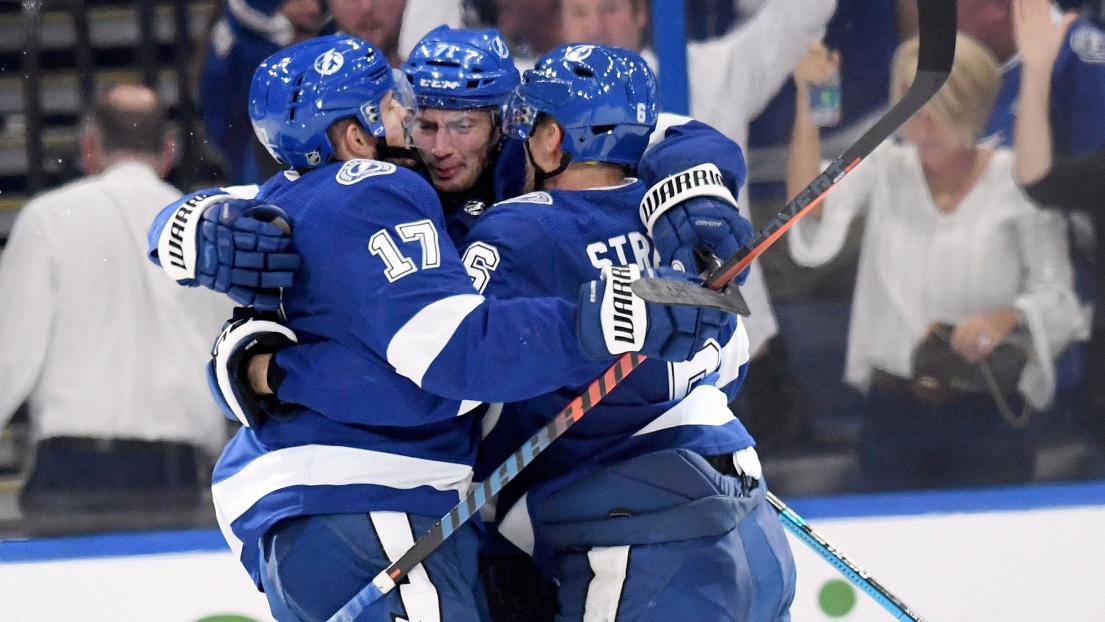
x: 524, y: 20
x: 375, y: 21
x: 619, y: 23
x: 456, y: 145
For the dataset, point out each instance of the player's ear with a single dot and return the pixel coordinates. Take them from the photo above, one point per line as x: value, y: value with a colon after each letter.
x: 354, y: 142
x: 545, y: 145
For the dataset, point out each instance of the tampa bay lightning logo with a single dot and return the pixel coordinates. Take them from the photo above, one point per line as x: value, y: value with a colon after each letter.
x: 498, y: 46
x: 578, y: 53
x: 329, y: 62
x: 356, y: 170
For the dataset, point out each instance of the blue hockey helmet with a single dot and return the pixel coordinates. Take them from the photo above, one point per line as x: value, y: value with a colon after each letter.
x: 604, y: 97
x: 300, y: 91
x: 461, y: 69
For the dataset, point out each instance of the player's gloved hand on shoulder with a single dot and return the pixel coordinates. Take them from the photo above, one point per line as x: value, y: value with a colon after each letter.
x: 613, y: 320
x: 240, y: 247
x: 244, y: 336
x: 693, y: 210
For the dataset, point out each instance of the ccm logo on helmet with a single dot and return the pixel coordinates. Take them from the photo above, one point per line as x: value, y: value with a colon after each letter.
x: 438, y: 84
x: 329, y: 62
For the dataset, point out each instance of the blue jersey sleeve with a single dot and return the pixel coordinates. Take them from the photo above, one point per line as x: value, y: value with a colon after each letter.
x: 380, y: 275
x: 1078, y: 92
x: 687, y: 145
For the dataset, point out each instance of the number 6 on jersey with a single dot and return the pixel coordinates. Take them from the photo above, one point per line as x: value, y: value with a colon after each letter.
x: 399, y: 265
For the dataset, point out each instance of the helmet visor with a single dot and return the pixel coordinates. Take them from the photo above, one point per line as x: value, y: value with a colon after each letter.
x: 520, y: 117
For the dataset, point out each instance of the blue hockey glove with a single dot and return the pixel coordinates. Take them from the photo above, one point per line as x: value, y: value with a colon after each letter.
x: 694, y: 210
x: 613, y: 320
x: 235, y: 246
x: 243, y: 337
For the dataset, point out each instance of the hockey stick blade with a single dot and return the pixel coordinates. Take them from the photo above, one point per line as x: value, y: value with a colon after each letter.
x: 936, y: 27
x: 672, y: 292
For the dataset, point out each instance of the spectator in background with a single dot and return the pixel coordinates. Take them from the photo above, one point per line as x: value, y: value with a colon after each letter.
x: 865, y: 33
x: 949, y: 239
x: 1053, y: 180
x: 731, y: 79
x: 531, y: 28
x: 1077, y: 103
x: 250, y: 31
x: 108, y: 353
x: 1076, y: 107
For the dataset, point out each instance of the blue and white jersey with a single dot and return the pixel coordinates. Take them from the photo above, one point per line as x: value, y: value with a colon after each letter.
x: 383, y: 299
x: 549, y: 243
x: 1077, y: 95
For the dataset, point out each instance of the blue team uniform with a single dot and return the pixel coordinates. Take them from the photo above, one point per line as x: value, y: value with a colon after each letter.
x: 384, y: 299
x: 568, y: 490
x: 548, y: 244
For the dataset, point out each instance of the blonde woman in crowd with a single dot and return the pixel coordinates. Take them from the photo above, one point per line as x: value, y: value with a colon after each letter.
x: 950, y: 239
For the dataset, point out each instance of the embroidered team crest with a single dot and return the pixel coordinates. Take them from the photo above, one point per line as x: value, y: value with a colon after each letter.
x: 1089, y: 44
x: 329, y: 62
x: 356, y: 170
x: 475, y: 207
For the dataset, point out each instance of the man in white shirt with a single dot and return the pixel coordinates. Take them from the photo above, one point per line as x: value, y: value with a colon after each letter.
x: 108, y: 354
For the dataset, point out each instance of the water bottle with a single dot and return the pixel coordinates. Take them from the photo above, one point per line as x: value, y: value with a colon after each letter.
x: 825, y: 100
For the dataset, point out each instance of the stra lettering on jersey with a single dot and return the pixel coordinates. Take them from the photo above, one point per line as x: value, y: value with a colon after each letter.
x: 553, y: 243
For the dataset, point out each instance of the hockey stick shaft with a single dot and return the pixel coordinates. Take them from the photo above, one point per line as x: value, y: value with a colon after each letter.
x: 858, y: 576
x: 936, y: 20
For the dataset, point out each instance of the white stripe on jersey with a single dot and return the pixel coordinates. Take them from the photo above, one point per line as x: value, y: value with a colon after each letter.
x: 517, y: 527
x: 609, y: 565
x: 328, y: 465
x: 414, y: 347
x: 418, y: 593
x: 705, y: 405
x: 733, y: 355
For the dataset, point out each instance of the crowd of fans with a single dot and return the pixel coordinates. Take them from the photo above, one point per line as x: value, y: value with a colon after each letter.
x: 972, y: 343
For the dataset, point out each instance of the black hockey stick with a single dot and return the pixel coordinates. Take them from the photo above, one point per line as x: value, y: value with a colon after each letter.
x: 936, y: 27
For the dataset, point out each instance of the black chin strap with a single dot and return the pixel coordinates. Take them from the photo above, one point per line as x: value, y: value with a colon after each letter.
x: 539, y: 175
x: 386, y: 152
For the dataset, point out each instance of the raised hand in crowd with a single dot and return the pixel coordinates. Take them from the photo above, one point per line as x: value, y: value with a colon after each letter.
x: 1039, y: 39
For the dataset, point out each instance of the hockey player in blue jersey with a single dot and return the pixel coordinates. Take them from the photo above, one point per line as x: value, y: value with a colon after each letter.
x: 320, y: 498
x: 651, y: 505
x: 462, y: 80
x: 587, y: 112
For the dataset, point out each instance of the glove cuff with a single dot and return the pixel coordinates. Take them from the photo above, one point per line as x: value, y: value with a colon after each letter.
x: 613, y: 320
x: 231, y: 354
x: 704, y: 180
x: 176, y: 248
